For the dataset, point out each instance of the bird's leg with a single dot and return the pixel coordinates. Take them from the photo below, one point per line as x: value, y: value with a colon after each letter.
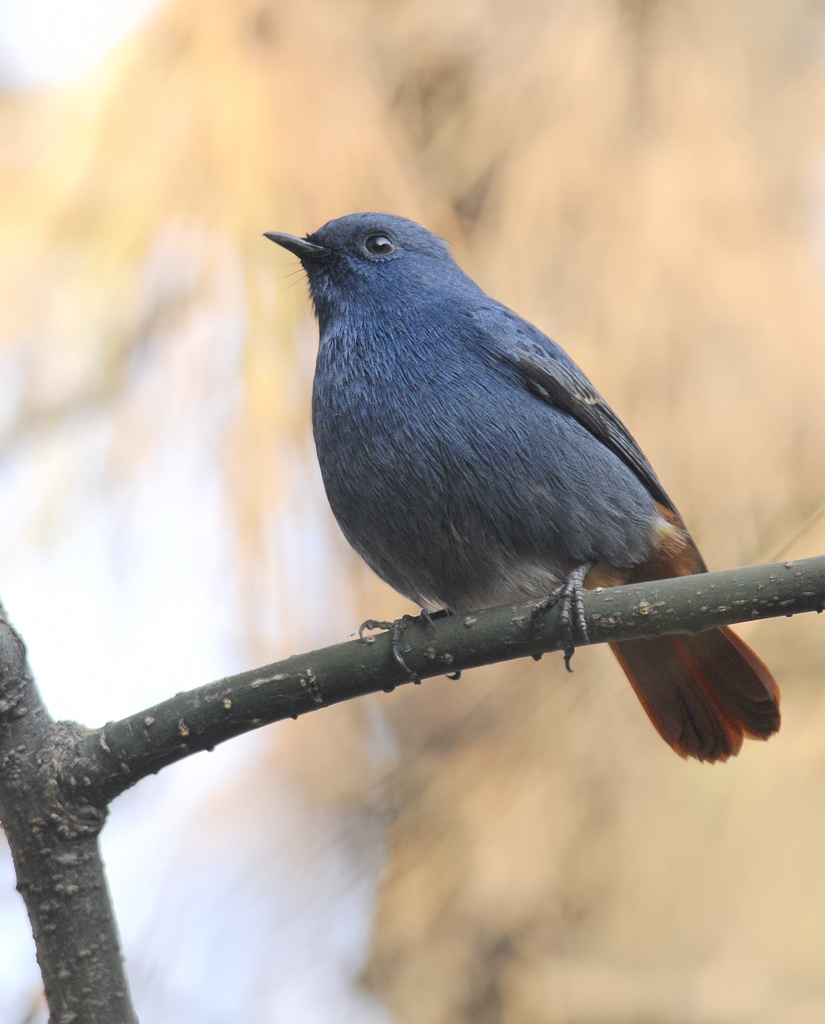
x: 430, y: 618
x: 571, y: 617
x: 396, y: 630
x: 426, y: 618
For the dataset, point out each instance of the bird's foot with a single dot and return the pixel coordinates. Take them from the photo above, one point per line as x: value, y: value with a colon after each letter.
x: 571, y: 617
x: 396, y: 629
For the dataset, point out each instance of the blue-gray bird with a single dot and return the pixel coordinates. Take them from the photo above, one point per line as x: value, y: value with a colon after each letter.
x: 470, y: 463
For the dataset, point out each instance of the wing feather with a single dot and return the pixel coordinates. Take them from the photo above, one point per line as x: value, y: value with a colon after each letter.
x: 551, y: 374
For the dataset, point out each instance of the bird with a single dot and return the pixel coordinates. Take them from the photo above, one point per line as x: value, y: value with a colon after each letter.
x: 471, y: 464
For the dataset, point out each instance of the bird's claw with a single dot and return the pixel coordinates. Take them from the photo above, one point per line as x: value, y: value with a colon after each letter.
x: 372, y: 624
x: 570, y: 594
x: 396, y: 630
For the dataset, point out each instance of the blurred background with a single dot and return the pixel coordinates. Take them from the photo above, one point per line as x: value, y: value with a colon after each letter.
x: 644, y: 179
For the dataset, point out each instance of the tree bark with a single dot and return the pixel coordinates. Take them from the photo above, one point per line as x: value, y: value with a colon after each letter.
x: 56, y: 856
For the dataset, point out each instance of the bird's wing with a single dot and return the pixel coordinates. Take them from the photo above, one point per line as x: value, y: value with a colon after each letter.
x: 551, y: 374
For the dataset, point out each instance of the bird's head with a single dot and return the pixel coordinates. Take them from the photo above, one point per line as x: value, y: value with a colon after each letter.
x: 368, y: 257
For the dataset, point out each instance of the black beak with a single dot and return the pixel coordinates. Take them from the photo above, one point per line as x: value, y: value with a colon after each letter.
x: 303, y: 249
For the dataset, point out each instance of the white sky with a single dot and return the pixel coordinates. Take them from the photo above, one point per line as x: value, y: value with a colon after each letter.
x: 46, y: 40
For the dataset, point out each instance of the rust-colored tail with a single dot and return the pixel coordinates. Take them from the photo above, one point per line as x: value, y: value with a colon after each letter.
x: 704, y: 693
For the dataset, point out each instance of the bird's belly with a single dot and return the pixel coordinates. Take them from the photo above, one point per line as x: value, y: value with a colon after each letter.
x: 466, y: 513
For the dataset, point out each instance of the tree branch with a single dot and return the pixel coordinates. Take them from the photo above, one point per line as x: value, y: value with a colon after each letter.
x: 111, y: 759
x: 56, y: 857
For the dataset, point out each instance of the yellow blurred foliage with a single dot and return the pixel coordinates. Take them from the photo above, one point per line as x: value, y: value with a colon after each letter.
x: 643, y: 179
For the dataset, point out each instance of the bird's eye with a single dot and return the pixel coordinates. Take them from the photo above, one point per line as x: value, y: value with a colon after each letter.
x: 379, y: 245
